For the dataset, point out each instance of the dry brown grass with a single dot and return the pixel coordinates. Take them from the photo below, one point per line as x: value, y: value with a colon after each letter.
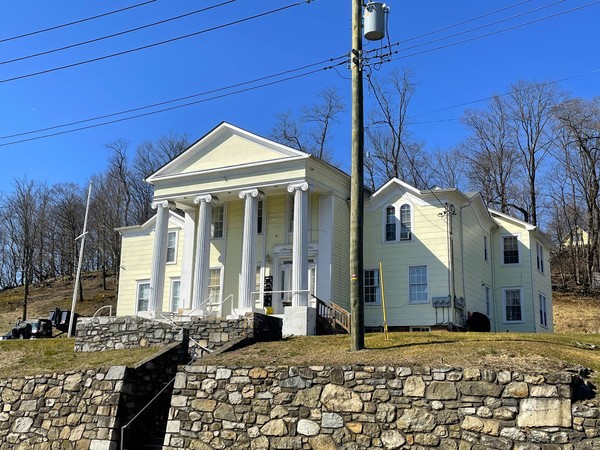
x: 42, y: 356
x: 575, y: 313
x: 58, y: 293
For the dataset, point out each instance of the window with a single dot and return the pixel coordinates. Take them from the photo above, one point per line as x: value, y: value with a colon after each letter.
x: 513, y: 309
x: 485, y: 248
x: 488, y: 306
x: 172, y: 247
x: 510, y: 250
x: 371, y: 286
x: 290, y: 214
x: 259, y: 220
x: 543, y: 311
x: 390, y: 223
x: 539, y: 250
x: 420, y: 329
x: 417, y: 279
x: 143, y: 295
x: 405, y: 225
x: 214, y: 285
x: 176, y: 295
x: 216, y: 222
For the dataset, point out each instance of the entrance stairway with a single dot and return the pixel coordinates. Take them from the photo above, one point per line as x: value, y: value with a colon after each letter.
x: 332, y: 318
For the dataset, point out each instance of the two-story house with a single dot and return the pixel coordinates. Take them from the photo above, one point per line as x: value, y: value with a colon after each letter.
x: 243, y: 223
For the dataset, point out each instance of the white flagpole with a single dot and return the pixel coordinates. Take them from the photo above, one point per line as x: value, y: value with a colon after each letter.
x: 82, y: 236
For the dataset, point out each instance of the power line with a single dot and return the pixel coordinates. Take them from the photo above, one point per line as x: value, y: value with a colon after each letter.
x: 497, y: 31
x: 120, y: 33
x: 484, y: 26
x: 185, y: 105
x: 429, y: 33
x: 175, y: 100
x: 155, y: 44
x: 56, y: 27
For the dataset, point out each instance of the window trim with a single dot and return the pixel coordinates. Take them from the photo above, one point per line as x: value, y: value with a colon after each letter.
x: 221, y: 271
x: 518, y: 238
x: 543, y: 311
x: 539, y: 257
x: 410, y: 222
x: 176, y: 231
x: 387, y: 223
x: 376, y: 286
x: 260, y: 216
x: 504, y: 318
x: 411, y: 302
x: 173, y: 281
x: 485, y: 248
x: 212, y: 223
x: 138, y: 283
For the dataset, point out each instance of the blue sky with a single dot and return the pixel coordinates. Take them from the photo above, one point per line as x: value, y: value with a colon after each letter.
x: 559, y: 47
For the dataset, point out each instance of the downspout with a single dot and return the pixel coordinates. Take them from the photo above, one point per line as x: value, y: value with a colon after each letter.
x: 493, y: 269
x: 462, y: 253
x: 532, y: 284
x: 449, y: 212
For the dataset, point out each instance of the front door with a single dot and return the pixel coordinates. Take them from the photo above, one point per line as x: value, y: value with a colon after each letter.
x: 284, y: 297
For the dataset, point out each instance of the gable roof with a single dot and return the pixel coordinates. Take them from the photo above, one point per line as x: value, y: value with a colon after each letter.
x: 222, y: 148
x: 174, y: 218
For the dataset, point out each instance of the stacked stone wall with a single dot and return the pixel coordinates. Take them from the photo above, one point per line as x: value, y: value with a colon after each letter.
x: 110, y: 333
x: 377, y: 407
x: 73, y: 410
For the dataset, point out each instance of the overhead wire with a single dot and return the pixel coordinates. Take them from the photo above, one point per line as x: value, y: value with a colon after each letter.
x: 185, y: 105
x: 154, y: 44
x: 175, y: 100
x: 75, y: 22
x: 120, y: 33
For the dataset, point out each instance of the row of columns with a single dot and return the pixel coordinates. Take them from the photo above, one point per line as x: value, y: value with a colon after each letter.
x: 202, y: 239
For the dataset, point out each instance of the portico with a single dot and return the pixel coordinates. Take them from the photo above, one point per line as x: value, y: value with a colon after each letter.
x: 256, y: 235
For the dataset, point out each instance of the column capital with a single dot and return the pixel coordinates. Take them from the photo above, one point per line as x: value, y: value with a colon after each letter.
x: 302, y: 186
x: 163, y: 204
x: 250, y: 192
x: 208, y: 198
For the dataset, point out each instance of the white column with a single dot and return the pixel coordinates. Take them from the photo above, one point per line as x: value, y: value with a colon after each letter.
x: 248, y: 272
x: 159, y: 256
x: 202, y: 259
x: 187, y: 263
x: 300, y: 244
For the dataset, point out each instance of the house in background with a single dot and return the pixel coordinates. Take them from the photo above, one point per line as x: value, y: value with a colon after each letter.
x: 246, y: 224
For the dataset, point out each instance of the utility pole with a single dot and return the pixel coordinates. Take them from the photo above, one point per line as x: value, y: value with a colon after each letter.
x: 357, y: 330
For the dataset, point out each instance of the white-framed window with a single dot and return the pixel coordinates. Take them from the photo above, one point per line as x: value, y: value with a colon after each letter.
x: 510, y: 250
x: 512, y: 300
x: 539, y: 252
x: 217, y: 221
x: 214, y: 285
x: 143, y: 295
x: 176, y: 302
x: 371, y: 287
x: 488, y: 302
x: 417, y: 282
x: 420, y: 329
x: 259, y: 216
x: 485, y: 247
x: 405, y: 223
x: 543, y: 311
x: 290, y: 214
x: 172, y: 247
x: 390, y: 223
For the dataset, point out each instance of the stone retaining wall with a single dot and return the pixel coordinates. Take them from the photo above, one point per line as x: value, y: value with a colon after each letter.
x: 377, y: 407
x: 74, y: 410
x: 109, y: 333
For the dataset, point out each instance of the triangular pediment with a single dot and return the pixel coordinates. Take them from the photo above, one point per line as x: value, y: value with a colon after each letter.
x: 224, y: 147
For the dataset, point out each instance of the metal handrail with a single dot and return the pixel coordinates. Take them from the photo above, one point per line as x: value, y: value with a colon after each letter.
x: 104, y: 307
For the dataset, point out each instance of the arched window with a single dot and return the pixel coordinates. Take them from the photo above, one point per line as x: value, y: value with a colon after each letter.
x: 390, y: 223
x: 405, y: 223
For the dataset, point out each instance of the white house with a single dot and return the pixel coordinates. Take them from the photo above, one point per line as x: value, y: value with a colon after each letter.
x: 244, y: 223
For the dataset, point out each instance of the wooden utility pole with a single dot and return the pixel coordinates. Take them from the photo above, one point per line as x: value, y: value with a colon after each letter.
x: 357, y: 330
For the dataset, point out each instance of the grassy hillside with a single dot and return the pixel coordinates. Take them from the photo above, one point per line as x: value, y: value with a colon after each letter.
x: 56, y: 293
x: 575, y: 343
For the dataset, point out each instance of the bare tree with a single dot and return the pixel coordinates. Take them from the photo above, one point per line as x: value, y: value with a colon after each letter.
x: 492, y: 157
x: 579, y: 122
x: 25, y: 225
x: 311, y: 131
x: 392, y: 151
x: 448, y: 168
